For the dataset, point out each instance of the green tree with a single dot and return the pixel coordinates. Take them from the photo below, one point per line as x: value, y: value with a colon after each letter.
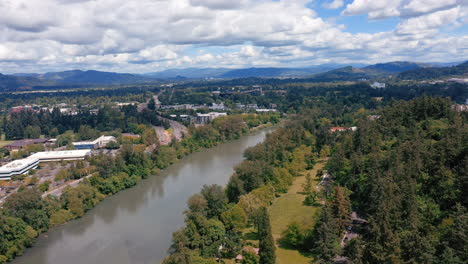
x: 234, y: 218
x: 266, y: 244
x: 29, y: 206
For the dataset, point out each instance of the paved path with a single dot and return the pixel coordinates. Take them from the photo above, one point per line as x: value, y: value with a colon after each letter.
x: 58, y: 191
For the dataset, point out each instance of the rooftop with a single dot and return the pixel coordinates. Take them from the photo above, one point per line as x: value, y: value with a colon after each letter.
x: 27, y: 142
x: 17, y: 164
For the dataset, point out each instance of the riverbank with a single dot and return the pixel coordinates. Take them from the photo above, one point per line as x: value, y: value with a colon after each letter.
x: 222, y: 159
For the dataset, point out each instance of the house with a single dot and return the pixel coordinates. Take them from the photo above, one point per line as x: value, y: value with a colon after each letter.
x: 373, y: 117
x: 337, y: 129
x: 20, y: 144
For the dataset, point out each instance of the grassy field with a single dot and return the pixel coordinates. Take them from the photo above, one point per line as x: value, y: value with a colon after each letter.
x: 289, y: 208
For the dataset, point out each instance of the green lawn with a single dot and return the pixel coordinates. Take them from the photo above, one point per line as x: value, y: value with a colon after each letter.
x: 289, y: 208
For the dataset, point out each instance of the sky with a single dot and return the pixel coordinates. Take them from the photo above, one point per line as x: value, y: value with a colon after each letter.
x: 140, y: 36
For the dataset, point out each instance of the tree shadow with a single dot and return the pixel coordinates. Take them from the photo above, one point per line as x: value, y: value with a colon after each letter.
x: 251, y: 236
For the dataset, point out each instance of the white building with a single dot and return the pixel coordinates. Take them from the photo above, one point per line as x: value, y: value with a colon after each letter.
x: 17, y: 167
x: 216, y: 106
x: 377, y: 85
x: 46, y: 156
x: 100, y: 142
x: 207, y: 118
x: 265, y: 110
x: 23, y: 166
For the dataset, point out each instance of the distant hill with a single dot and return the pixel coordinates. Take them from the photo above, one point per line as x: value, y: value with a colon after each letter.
x: 93, y: 77
x: 434, y: 72
x: 190, y: 73
x: 11, y: 82
x: 224, y: 73
x: 348, y: 73
x: 392, y: 67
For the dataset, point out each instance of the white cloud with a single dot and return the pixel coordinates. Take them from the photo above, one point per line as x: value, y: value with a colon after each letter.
x: 147, y: 35
x: 334, y: 4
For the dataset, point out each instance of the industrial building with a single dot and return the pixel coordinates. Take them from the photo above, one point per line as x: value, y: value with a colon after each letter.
x: 46, y: 156
x: 100, y: 142
x: 207, y: 118
x: 23, y: 166
x: 17, y: 167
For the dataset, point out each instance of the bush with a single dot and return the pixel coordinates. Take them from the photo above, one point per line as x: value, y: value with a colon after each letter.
x: 293, y: 236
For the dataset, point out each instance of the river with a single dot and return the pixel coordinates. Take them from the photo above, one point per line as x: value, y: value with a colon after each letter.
x: 136, y: 225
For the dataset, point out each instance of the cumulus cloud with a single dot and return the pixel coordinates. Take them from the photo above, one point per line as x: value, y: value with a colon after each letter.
x: 334, y: 4
x: 149, y: 35
x: 378, y: 9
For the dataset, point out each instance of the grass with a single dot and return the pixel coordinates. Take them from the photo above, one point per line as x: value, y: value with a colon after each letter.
x: 289, y: 208
x: 5, y: 142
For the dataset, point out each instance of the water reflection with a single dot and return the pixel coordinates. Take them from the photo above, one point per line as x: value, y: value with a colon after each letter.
x: 135, y: 226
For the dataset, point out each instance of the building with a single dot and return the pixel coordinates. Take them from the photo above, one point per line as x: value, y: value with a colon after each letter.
x: 377, y: 85
x: 265, y: 110
x: 131, y: 135
x: 18, y: 167
x: 23, y: 166
x: 207, y: 118
x: 100, y: 142
x: 46, y: 156
x: 216, y: 106
x: 252, y: 106
x: 337, y: 129
x: 20, y: 144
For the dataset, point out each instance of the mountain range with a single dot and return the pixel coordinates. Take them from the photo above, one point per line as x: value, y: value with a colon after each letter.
x: 330, y: 72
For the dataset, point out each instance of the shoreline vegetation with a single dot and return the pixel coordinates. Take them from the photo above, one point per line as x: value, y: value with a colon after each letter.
x: 26, y: 214
x: 397, y: 178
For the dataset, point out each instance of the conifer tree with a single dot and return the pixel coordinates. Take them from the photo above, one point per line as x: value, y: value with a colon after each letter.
x: 267, y: 244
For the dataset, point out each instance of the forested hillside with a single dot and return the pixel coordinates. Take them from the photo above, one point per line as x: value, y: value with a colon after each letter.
x: 404, y: 172
x: 434, y: 73
x: 407, y: 173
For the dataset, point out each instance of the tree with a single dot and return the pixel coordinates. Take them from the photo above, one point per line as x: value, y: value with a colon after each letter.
x: 307, y: 186
x: 325, y: 151
x: 32, y: 132
x: 198, y: 204
x: 293, y: 236
x: 29, y: 206
x: 266, y: 244
x: 234, y: 218
x: 216, y: 199
x: 152, y: 104
x: 150, y: 137
x: 249, y: 257
x: 341, y: 207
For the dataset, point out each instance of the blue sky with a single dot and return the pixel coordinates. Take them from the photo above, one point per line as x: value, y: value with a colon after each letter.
x: 146, y: 35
